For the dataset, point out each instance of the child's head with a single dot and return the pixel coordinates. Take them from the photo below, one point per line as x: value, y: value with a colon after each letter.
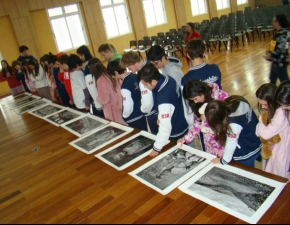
x: 16, y: 65
x: 280, y: 21
x: 63, y: 61
x: 4, y: 64
x: 266, y: 99
x: 84, y: 53
x: 97, y: 68
x: 115, y: 70
x: 23, y: 50
x: 149, y: 76
x: 25, y: 65
x: 282, y: 95
x: 131, y: 60
x: 107, y: 51
x: 31, y: 64
x: 74, y: 62
x: 195, y: 48
x: 156, y: 55
x: 52, y: 61
x: 190, y: 27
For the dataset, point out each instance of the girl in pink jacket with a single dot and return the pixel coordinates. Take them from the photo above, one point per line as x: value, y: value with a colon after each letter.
x: 109, y: 91
x: 279, y: 162
x: 198, y: 94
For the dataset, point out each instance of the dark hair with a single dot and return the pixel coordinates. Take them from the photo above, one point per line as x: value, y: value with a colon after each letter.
x: 217, y: 115
x: 107, y: 47
x: 282, y: 96
x: 282, y: 20
x: 98, y: 69
x: 192, y: 26
x: 156, y: 52
x: 23, y: 48
x: 267, y: 93
x: 194, y: 88
x: 36, y: 67
x: 63, y: 59
x: 26, y: 70
x: 195, y: 48
x: 148, y: 73
x: 52, y: 59
x: 73, y: 61
x: 9, y: 69
x: 115, y: 66
x: 84, y: 50
x: 130, y: 58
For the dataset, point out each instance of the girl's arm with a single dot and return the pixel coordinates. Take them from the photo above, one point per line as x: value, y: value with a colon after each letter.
x: 2, y: 78
x: 231, y: 143
x: 278, y: 123
x: 192, y: 133
x: 103, y: 93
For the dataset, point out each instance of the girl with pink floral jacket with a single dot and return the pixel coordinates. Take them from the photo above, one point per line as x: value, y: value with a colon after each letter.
x: 198, y: 94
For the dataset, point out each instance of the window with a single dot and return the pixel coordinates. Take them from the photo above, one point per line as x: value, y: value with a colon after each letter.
x: 198, y: 7
x: 155, y: 13
x: 116, y: 17
x: 67, y: 27
x: 222, y: 4
x: 240, y: 2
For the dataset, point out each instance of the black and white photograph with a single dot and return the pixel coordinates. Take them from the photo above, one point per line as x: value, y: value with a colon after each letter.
x: 84, y: 125
x: 31, y: 106
x: 237, y: 192
x: 11, y: 99
x: 129, y: 151
x: 100, y: 138
x: 23, y: 102
x: 63, y: 116
x: 171, y: 168
x: 46, y: 111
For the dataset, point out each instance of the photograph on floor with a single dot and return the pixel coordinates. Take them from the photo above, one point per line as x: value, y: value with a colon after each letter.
x: 31, y: 106
x: 100, y: 138
x: 23, y: 102
x: 63, y: 116
x: 237, y: 192
x: 84, y: 125
x: 46, y: 111
x: 171, y: 168
x: 11, y: 99
x: 129, y: 151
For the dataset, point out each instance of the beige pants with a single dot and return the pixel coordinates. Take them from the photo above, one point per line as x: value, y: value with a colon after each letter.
x: 44, y: 92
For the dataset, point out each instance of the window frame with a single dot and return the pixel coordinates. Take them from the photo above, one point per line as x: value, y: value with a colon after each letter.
x: 64, y: 15
x: 242, y: 2
x: 127, y: 15
x: 229, y: 6
x: 206, y: 8
x: 164, y: 14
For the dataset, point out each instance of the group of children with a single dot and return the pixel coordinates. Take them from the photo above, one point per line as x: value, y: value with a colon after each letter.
x: 154, y: 95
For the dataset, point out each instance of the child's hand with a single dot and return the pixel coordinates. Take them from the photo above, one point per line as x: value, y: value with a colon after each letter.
x: 158, y: 122
x: 180, y: 142
x: 268, y: 56
x: 71, y: 102
x: 202, y: 117
x: 153, y: 154
x: 88, y: 108
x: 260, y: 119
x: 216, y: 161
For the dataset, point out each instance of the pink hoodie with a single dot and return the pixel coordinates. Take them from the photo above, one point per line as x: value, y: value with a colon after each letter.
x: 110, y: 99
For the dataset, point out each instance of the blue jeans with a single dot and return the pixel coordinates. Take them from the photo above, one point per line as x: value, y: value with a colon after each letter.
x: 278, y: 72
x: 152, y: 123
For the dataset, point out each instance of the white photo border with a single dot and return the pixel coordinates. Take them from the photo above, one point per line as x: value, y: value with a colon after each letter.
x: 43, y: 117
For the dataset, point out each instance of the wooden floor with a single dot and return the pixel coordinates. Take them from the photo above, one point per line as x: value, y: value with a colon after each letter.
x: 59, y: 184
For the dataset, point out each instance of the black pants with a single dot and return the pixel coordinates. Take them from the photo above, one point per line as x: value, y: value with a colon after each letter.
x: 140, y: 124
x: 152, y: 123
x: 278, y: 72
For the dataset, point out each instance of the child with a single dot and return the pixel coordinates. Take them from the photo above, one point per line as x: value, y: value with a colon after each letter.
x: 64, y: 76
x: 168, y: 99
x: 109, y: 91
x: 234, y: 124
x: 39, y: 77
x: 191, y: 34
x: 20, y: 75
x: 278, y: 163
x: 135, y: 63
x: 209, y: 73
x: 170, y: 66
x: 30, y: 83
x: 198, y: 94
x: 85, y: 55
x: 24, y: 54
x: 80, y: 91
x: 131, y: 94
x: 7, y: 74
x: 109, y: 53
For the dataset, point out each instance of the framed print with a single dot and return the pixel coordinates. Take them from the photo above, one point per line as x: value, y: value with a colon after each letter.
x: 84, y: 124
x: 31, y: 106
x: 63, y: 116
x: 10, y: 99
x: 101, y: 137
x: 171, y: 168
x: 237, y: 192
x: 23, y: 102
x: 46, y: 110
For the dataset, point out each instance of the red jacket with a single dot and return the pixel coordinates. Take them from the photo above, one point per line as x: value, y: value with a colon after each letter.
x: 64, y: 77
x: 193, y: 35
x: 11, y: 80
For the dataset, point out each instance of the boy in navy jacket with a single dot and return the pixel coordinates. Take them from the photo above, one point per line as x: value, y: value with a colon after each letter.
x: 168, y: 103
x: 131, y: 94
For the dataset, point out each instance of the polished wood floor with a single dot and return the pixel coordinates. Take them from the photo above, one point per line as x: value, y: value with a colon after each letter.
x: 59, y: 184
